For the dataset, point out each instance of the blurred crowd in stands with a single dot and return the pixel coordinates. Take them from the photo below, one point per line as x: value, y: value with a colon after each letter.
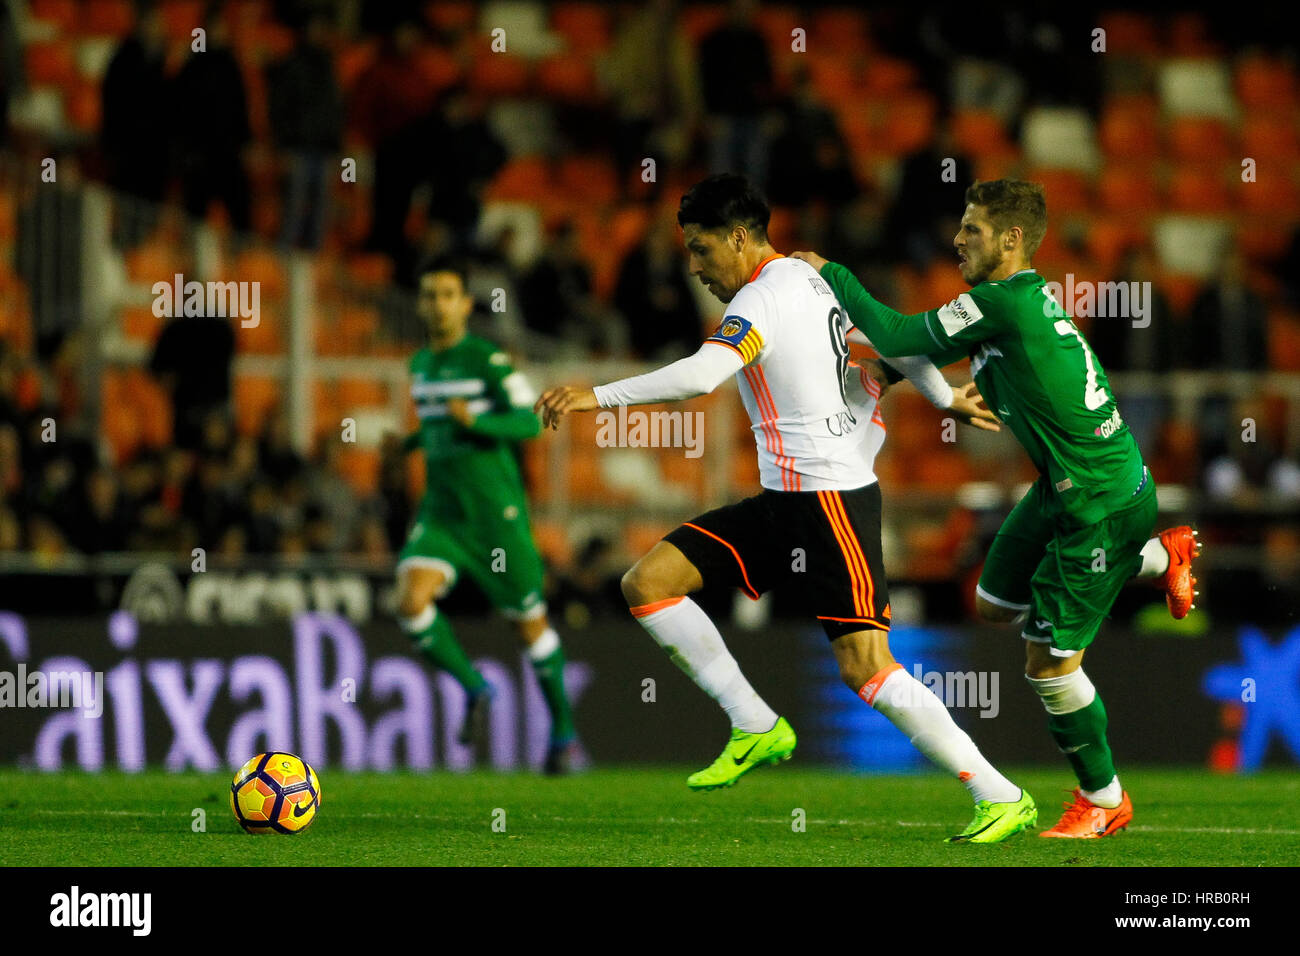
x: 251, y: 134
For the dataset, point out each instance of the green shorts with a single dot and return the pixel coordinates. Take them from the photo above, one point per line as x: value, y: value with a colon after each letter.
x: 1064, y: 573
x: 499, y: 556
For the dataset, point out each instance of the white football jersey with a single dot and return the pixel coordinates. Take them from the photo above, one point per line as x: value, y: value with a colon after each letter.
x: 815, y: 417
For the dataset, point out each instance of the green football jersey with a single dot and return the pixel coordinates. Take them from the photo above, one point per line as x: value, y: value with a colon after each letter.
x: 1035, y: 371
x: 472, y: 471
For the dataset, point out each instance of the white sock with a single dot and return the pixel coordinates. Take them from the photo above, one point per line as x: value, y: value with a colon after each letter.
x: 1155, y: 560
x: 917, y: 712
x: 544, y: 646
x: 1108, y: 796
x: 694, y: 644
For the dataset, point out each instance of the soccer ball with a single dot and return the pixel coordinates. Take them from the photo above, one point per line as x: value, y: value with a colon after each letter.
x: 275, y: 793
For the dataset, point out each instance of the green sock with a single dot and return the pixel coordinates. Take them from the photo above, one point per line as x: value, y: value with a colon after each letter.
x: 1081, y: 735
x: 550, y: 677
x: 439, y: 645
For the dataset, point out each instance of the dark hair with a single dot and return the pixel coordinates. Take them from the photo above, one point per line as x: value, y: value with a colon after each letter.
x: 447, y: 263
x: 724, y: 201
x: 1013, y: 202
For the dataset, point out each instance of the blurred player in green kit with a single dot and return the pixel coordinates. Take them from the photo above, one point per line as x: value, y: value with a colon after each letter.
x: 472, y: 409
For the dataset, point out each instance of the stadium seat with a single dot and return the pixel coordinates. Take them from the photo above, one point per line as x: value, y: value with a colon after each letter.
x: 1108, y: 239
x: 51, y: 63
x: 1129, y: 128
x: 1264, y: 83
x: 1263, y: 236
x: 113, y: 18
x: 262, y: 266
x: 265, y: 338
x: 1131, y: 33
x: 568, y: 79
x: 360, y: 468
x: 1189, y: 244
x: 356, y: 393
x: 552, y: 540
x: 1059, y: 138
x: 139, y: 324
x: 587, y: 179
x: 584, y: 26
x: 1198, y: 189
x: 981, y: 133
x: 836, y: 80
x: 698, y: 21
x: 500, y: 74
x: 1273, y: 193
x: 1264, y: 138
x: 776, y: 23
x: 886, y: 76
x: 179, y: 17
x: 841, y: 30
x: 522, y: 179
x: 152, y: 408
x: 1196, y: 87
x: 369, y: 269
x: 450, y: 15
x: 82, y: 104
x: 1284, y: 340
x: 908, y: 123
x: 1067, y: 190
x: 1201, y: 139
x: 64, y: 14
x: 1129, y: 189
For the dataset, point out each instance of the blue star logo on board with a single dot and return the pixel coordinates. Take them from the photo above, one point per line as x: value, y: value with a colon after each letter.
x: 1267, y: 681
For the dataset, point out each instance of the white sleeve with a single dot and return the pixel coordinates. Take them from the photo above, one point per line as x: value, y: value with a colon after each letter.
x: 920, y: 371
x: 696, y: 374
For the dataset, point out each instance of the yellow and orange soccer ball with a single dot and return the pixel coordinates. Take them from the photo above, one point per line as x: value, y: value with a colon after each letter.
x: 275, y: 793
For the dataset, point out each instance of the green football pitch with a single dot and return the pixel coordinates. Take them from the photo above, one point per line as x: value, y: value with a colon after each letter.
x: 782, y: 816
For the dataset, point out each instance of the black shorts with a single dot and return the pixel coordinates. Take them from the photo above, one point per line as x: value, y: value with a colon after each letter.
x: 819, y: 548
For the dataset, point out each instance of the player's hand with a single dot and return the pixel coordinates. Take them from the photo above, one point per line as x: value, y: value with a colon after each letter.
x: 811, y: 258
x: 557, y: 402
x: 877, y: 372
x: 458, y: 410
x: 966, y: 408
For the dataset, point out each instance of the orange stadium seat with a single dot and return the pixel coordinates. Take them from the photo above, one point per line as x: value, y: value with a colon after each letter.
x: 836, y: 79
x: 1263, y: 138
x: 8, y: 220
x: 112, y: 18
x: 450, y: 16
x: 1264, y: 83
x: 1129, y: 128
x: 523, y: 179
x: 1129, y: 189
x: 325, y: 406
x: 357, y: 393
x: 153, y: 260
x: 886, y: 76
x: 698, y: 21
x: 568, y: 79
x: 151, y: 405
x: 908, y: 123
x: 981, y: 133
x: 587, y: 179
x: 1200, y: 139
x: 439, y: 67
x: 369, y: 269
x: 65, y: 14
x: 1108, y: 239
x: 500, y: 74
x: 360, y: 468
x: 1131, y: 33
x: 584, y: 26
x: 262, y: 266
x: 553, y: 542
x: 640, y: 536
x: 840, y: 30
x: 140, y: 324
x: 82, y: 105
x: 265, y: 338
x: 1272, y: 193
x: 776, y: 23
x: 1198, y: 189
x: 51, y: 62
x: 1263, y: 236
x: 179, y: 17
x: 352, y: 60
x: 1067, y: 190
x: 1284, y: 340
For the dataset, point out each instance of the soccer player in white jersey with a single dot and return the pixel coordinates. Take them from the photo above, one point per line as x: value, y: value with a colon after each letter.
x: 817, y: 429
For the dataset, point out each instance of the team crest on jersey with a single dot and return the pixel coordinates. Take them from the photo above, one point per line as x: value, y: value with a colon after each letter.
x: 740, y: 334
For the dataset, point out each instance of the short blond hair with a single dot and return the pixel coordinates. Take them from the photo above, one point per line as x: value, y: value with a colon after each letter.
x: 1013, y: 202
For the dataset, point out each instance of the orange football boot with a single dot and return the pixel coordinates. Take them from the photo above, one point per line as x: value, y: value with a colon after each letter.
x: 1180, y: 586
x: 1084, y: 820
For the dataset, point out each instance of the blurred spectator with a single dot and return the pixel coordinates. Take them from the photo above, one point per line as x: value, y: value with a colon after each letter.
x: 389, y: 102
x: 1248, y: 460
x: 210, y: 126
x: 810, y: 161
x: 192, y: 360
x: 279, y: 460
x: 928, y: 206
x: 650, y: 75
x: 557, y: 300
x: 11, y: 68
x: 736, y: 78
x: 1229, y: 324
x: 653, y: 297
x: 462, y: 155
x: 48, y: 256
x: 1287, y: 270
x: 330, y: 512
x: 207, y: 503
x: 1156, y: 344
x: 262, y: 526
x: 306, y: 120
x: 135, y: 159
x: 103, y: 524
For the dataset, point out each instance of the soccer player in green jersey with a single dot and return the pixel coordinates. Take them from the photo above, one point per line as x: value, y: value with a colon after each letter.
x: 1084, y: 528
x: 472, y: 409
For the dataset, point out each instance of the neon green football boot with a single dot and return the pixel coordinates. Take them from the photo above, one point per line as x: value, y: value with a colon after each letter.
x: 744, y: 752
x: 994, y: 822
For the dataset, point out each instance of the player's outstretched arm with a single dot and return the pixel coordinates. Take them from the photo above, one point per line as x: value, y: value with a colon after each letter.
x: 892, y: 333
x: 694, y: 375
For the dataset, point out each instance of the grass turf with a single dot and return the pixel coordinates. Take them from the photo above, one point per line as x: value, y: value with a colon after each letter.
x: 642, y: 816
